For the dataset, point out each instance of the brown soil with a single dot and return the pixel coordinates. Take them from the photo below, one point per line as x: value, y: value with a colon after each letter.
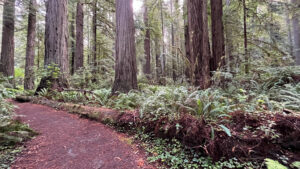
x: 67, y: 141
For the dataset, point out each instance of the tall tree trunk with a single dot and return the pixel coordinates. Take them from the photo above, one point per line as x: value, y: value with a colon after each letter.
x: 147, y: 47
x: 157, y: 57
x: 125, y: 68
x: 173, y: 48
x: 163, y: 67
x: 79, y: 58
x: 188, y: 70
x: 245, y: 38
x: 30, y: 49
x: 199, y: 41
x: 296, y: 31
x: 95, y: 36
x: 218, y: 47
x: 72, y: 29
x: 289, y: 29
x: 56, y: 44
x: 8, y: 44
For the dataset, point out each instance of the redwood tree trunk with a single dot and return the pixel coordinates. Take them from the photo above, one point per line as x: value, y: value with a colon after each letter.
x: 7, y: 47
x: 218, y: 47
x: 56, y: 43
x: 296, y: 32
x: 188, y: 70
x: 79, y: 37
x: 199, y: 41
x: 30, y: 49
x: 72, y: 29
x: 147, y: 69
x: 125, y: 68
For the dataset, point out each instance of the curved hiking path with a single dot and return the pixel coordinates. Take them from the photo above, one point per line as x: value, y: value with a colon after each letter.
x: 69, y: 142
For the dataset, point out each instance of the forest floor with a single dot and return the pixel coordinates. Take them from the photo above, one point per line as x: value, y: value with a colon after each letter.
x: 68, y: 141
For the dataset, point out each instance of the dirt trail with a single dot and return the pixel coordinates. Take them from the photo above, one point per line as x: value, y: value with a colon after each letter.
x: 69, y: 142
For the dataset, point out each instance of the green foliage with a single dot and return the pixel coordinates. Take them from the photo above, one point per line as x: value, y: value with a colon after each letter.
x: 102, y: 96
x: 272, y: 164
x: 172, y: 154
x: 296, y: 164
x: 12, y: 132
x: 123, y: 101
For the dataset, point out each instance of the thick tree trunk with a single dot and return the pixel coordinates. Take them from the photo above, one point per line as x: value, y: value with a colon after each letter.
x: 79, y: 58
x: 7, y: 47
x: 125, y: 68
x: 296, y: 31
x: 72, y: 29
x: 30, y: 49
x: 199, y: 41
x: 147, y: 47
x: 218, y: 47
x: 56, y: 44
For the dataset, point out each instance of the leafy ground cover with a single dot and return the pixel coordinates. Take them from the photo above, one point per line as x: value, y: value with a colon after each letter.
x: 12, y: 131
x: 241, y: 118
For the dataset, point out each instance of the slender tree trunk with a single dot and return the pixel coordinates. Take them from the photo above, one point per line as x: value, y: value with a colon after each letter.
x: 245, y: 38
x: 79, y: 58
x: 125, y: 68
x: 296, y: 31
x: 38, y: 51
x: 188, y: 70
x: 147, y: 47
x: 72, y: 29
x: 7, y: 47
x: 218, y: 47
x: 30, y: 49
x: 289, y: 29
x: 173, y: 48
x: 56, y: 44
x: 199, y: 41
x: 95, y: 35
x: 157, y: 57
x: 163, y: 67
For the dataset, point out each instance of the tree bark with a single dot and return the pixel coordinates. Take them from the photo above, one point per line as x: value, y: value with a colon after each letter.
x: 199, y: 41
x: 245, y: 38
x: 72, y: 29
x: 158, y: 58
x: 79, y: 58
x: 7, y: 47
x: 188, y: 70
x: 173, y: 48
x: 56, y: 44
x: 30, y: 49
x: 95, y: 36
x: 147, y: 45
x: 296, y: 31
x: 289, y: 29
x: 218, y: 47
x: 163, y: 66
x: 125, y: 68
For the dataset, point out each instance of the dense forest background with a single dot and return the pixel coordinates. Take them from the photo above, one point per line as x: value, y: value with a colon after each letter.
x: 163, y: 54
x: 202, y: 83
